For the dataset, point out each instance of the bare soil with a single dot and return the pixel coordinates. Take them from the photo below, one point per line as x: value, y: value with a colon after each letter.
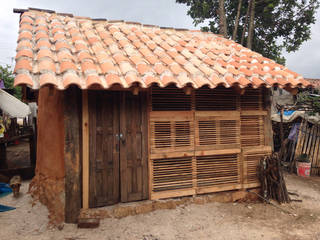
x: 208, y: 221
x: 18, y: 155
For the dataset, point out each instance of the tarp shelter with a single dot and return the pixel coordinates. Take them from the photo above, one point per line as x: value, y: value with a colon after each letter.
x: 13, y: 106
x: 130, y: 112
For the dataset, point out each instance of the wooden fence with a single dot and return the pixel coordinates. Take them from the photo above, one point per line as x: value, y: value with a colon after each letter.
x: 309, y: 143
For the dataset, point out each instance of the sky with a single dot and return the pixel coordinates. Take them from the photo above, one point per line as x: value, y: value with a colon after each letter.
x: 168, y: 13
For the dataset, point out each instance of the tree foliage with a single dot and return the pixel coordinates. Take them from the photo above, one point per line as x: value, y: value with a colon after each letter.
x: 277, y: 24
x: 7, y: 76
x: 308, y: 100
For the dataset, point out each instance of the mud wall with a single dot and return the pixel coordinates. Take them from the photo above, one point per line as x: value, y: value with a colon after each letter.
x: 48, y: 184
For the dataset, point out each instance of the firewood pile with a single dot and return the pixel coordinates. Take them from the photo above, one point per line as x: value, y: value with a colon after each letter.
x: 271, y: 177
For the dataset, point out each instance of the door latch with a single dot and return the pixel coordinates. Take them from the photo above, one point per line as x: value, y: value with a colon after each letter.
x: 122, y: 138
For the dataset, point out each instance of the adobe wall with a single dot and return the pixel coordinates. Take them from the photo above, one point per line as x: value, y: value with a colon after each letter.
x: 48, y: 184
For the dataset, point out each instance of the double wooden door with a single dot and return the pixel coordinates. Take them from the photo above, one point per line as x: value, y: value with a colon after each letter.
x: 118, y: 147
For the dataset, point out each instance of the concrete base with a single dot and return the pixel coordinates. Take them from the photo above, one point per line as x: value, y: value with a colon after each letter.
x: 122, y: 210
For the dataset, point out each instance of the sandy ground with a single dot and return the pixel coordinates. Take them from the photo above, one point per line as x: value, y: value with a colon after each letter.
x: 208, y: 221
x: 19, y: 155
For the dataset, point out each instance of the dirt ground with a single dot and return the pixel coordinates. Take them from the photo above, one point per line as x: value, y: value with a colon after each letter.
x: 18, y: 155
x: 208, y: 221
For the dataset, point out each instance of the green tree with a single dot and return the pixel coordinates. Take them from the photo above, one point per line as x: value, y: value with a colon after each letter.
x: 265, y: 26
x: 7, y: 76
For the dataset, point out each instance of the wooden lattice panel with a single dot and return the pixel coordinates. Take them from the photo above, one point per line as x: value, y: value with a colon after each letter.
x: 171, y: 174
x: 252, y: 130
x: 217, y: 170
x: 169, y: 99
x: 197, y: 141
x: 171, y: 132
x: 251, y: 99
x: 251, y: 162
x: 217, y: 130
x: 219, y: 99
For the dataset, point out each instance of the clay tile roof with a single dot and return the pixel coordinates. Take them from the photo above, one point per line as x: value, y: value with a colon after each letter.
x: 314, y: 82
x: 61, y: 49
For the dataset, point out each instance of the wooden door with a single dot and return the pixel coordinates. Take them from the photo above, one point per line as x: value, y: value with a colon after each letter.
x: 118, y: 147
x: 104, y: 148
x: 133, y: 147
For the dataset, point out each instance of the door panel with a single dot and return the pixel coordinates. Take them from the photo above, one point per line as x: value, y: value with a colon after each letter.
x: 104, y: 148
x: 118, y: 147
x: 133, y: 147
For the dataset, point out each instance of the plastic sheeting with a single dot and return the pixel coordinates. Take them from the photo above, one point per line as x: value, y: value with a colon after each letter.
x: 294, y: 115
x: 13, y: 106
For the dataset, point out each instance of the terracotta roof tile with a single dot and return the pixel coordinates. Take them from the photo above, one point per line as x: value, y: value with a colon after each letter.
x: 257, y: 81
x: 67, y: 65
x: 112, y: 79
x: 25, y: 35
x: 26, y: 26
x: 63, y: 56
x: 23, y: 64
x: 93, y: 80
x: 24, y: 53
x: 48, y: 78
x: 24, y: 44
x: 104, y: 53
x: 44, y: 53
x: 47, y: 65
x: 88, y: 66
x: 70, y: 78
x: 23, y: 79
x: 143, y: 68
x: 43, y: 44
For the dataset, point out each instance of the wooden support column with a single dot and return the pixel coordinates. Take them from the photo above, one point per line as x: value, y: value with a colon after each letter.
x: 3, y: 156
x: 85, y: 150
x: 72, y: 153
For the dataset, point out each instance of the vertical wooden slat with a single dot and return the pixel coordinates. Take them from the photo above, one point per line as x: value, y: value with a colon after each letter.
x: 72, y: 146
x: 300, y: 138
x: 150, y: 164
x: 85, y: 150
x: 145, y: 147
x: 123, y: 150
x: 267, y: 120
x: 196, y: 136
x: 317, y: 151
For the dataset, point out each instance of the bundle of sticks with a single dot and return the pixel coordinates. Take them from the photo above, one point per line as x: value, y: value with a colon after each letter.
x: 271, y: 178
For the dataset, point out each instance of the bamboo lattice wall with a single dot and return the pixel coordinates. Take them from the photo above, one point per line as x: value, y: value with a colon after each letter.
x: 208, y: 141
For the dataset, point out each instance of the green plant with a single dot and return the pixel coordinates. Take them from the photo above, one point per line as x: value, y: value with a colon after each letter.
x: 7, y: 76
x: 303, y: 158
x: 309, y: 101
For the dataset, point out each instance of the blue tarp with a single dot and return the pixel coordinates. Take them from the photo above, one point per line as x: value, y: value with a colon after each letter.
x: 288, y: 112
x: 4, y: 191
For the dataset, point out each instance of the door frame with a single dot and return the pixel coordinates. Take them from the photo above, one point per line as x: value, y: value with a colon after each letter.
x: 86, y: 144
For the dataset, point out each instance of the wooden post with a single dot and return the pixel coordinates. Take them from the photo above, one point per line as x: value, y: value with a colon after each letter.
x: 85, y: 150
x: 72, y: 153
x: 3, y: 156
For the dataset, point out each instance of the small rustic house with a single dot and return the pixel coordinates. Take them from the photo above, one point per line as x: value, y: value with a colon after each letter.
x: 129, y: 112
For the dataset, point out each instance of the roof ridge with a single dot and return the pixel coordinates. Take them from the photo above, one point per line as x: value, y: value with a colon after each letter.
x: 21, y: 11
